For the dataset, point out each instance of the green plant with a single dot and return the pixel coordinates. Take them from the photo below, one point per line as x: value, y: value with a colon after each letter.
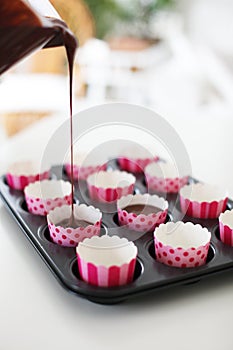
x: 131, y: 16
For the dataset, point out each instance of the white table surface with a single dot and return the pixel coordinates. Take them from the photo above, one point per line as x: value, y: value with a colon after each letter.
x: 37, y: 313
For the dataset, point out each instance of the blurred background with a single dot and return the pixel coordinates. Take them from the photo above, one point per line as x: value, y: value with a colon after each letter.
x: 173, y: 56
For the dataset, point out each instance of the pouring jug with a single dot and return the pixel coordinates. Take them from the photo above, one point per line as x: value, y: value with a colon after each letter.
x: 27, y: 26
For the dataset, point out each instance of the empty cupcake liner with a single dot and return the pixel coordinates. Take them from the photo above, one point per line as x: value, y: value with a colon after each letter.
x: 226, y: 227
x: 163, y: 177
x: 181, y: 244
x: 134, y: 158
x: 43, y: 196
x: 21, y: 174
x: 203, y: 201
x: 136, y: 165
x: 106, y: 261
x: 108, y: 186
x: 70, y: 237
x: 82, y: 172
x: 142, y: 222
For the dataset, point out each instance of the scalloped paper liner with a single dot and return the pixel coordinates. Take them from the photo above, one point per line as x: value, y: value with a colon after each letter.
x: 202, y: 210
x: 179, y: 257
x: 42, y: 206
x: 165, y: 185
x: 182, y: 254
x: 70, y: 237
x: 226, y: 234
x: 225, y: 228
x: 111, y: 194
x: 19, y: 182
x: 82, y: 172
x: 107, y: 261
x: 102, y: 276
x: 136, y: 165
x: 141, y: 223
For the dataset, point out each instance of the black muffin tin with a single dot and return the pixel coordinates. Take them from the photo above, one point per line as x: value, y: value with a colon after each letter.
x: 149, y: 274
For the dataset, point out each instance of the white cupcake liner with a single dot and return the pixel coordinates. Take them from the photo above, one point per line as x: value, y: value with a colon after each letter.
x: 21, y: 174
x: 226, y: 227
x: 70, y: 237
x: 203, y: 201
x: 108, y: 186
x: 181, y: 244
x: 43, y: 196
x: 106, y: 261
x: 142, y: 222
x: 164, y: 177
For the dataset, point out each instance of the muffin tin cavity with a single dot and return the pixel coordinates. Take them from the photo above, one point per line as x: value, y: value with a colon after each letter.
x: 23, y: 205
x: 150, y: 274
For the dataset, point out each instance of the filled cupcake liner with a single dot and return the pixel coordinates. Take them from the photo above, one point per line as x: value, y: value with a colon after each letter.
x: 110, y: 194
x: 19, y: 182
x: 136, y: 165
x: 70, y: 237
x: 168, y: 185
x: 226, y: 227
x: 102, y: 276
x: 107, y: 274
x: 82, y: 172
x: 142, y: 222
x: 40, y: 204
x: 179, y: 256
x: 202, y: 210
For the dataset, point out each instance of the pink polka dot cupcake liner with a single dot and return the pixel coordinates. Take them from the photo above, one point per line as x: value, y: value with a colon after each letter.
x: 226, y: 227
x: 107, y: 261
x: 108, y: 186
x: 71, y: 237
x: 164, y: 177
x: 21, y: 174
x: 203, y: 201
x: 142, y: 222
x: 82, y: 172
x: 43, y: 196
x: 181, y: 244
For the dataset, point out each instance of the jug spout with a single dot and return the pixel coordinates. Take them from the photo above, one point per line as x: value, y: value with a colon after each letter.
x: 44, y: 8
